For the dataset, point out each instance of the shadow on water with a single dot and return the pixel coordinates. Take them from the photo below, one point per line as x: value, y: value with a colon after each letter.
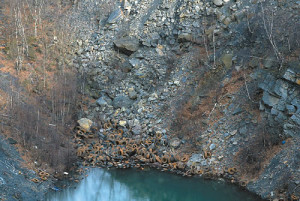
x: 133, y: 185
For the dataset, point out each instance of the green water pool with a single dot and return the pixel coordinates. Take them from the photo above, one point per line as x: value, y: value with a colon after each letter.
x: 133, y: 185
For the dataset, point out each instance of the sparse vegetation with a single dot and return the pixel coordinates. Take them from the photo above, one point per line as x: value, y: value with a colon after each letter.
x: 41, y: 103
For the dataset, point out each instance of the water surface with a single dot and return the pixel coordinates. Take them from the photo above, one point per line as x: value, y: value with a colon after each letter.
x: 133, y: 185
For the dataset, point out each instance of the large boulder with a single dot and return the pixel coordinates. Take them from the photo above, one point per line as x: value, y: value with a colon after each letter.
x: 127, y: 44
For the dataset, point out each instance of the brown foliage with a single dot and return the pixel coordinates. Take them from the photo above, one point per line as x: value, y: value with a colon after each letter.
x: 258, y: 151
x: 43, y: 123
x: 41, y: 102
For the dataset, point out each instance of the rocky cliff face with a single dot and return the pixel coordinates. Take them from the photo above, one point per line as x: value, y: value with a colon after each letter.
x: 217, y: 77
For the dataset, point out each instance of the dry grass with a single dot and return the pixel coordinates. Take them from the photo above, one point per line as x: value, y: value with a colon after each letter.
x: 257, y: 153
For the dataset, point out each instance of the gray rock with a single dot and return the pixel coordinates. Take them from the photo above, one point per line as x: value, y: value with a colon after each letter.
x: 196, y: 158
x: 296, y: 119
x: 101, y: 102
x: 237, y: 110
x: 115, y: 16
x: 291, y: 75
x: 281, y: 105
x: 270, y: 100
x: 196, y: 24
x: 281, y: 88
x: 2, y: 182
x: 269, y: 62
x: 291, y: 109
x: 175, y: 143
x: 121, y: 101
x: 154, y: 37
x: 296, y: 103
x: 127, y: 45
x: 136, y: 130
x: 126, y: 66
x: 139, y: 55
x: 134, y: 62
x: 269, y: 82
x: 132, y: 95
x: 261, y: 106
x: 274, y: 111
x: 227, y: 60
x: 185, y: 37
x: 243, y: 130
x: 218, y: 2
x: 212, y: 147
x: 254, y: 62
x: 280, y: 117
x: 291, y: 130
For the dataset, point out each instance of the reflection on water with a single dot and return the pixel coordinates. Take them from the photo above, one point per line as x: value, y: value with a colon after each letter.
x: 132, y: 185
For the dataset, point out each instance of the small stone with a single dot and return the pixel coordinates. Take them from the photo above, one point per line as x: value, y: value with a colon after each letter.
x: 122, y: 101
x: 153, y: 97
x: 85, y: 124
x: 127, y: 45
x: 195, y: 158
x: 269, y: 62
x: 218, y: 2
x: 227, y: 60
x: 233, y: 132
x: 134, y: 62
x: 137, y: 130
x: 122, y: 123
x: 101, y: 102
x: 212, y: 146
x: 270, y: 100
x: 227, y: 21
x: 243, y: 130
x: 132, y: 95
x: 296, y: 119
x: 115, y: 16
x: 175, y: 143
x: 159, y: 51
x: 177, y: 83
x: 274, y: 111
x: 237, y: 111
x: 292, y: 75
x: 291, y: 109
x: 79, y: 42
x: 185, y: 37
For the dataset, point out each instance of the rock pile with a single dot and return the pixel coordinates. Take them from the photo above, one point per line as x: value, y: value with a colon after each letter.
x: 150, y: 59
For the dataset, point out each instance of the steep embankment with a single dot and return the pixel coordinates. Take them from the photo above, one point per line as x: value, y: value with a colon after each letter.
x: 11, y: 172
x: 37, y: 98
x: 209, y: 87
